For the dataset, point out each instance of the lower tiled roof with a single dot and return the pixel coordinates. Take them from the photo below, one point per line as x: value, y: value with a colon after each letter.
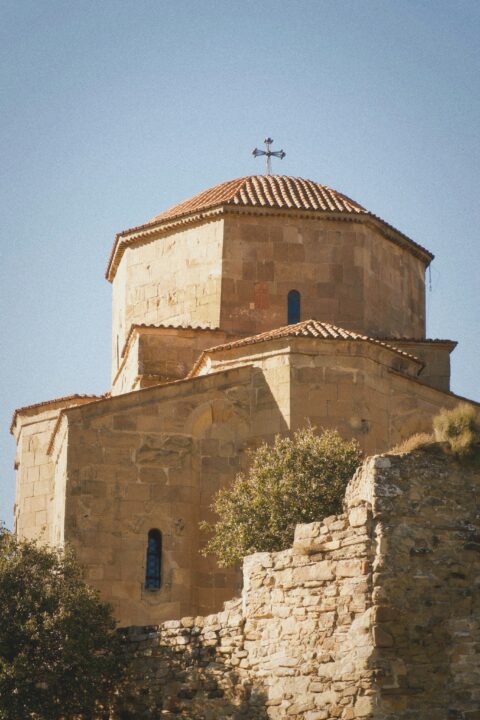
x: 64, y: 399
x: 309, y: 329
x: 412, y: 340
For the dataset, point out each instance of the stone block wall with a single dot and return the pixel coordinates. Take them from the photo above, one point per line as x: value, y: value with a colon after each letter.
x: 38, y: 500
x: 373, y: 614
x: 295, y: 645
x: 347, y: 273
x: 154, y: 460
x: 425, y: 585
x: 235, y: 271
x: 362, y: 390
x: 173, y: 280
x: 436, y: 356
x: 34, y: 489
x: 159, y: 354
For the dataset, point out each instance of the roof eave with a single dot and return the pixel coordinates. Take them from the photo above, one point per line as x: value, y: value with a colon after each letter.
x: 449, y: 344
x: 246, y: 346
x: 399, y: 238
x: 152, y: 230
x: 37, y: 408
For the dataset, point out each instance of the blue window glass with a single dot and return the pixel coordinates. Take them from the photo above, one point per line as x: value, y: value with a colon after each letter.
x: 153, y: 573
x: 293, y: 305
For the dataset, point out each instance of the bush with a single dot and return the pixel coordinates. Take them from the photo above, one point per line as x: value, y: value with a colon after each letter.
x: 458, y: 427
x: 59, y: 653
x: 293, y: 481
x: 418, y: 440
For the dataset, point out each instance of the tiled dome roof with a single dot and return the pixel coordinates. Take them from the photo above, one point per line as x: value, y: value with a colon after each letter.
x: 266, y: 191
x: 262, y: 192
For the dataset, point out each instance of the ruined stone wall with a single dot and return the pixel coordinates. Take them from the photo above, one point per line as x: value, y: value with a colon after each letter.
x: 373, y: 614
x: 426, y: 577
x: 295, y: 645
x: 171, y: 352
x: 155, y: 459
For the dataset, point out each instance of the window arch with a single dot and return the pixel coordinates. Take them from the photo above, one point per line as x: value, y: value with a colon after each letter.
x: 153, y: 572
x: 293, y: 307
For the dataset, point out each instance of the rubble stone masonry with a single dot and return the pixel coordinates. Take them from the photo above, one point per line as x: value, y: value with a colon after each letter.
x: 373, y: 614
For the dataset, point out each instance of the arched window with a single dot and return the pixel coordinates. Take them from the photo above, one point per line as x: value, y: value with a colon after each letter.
x: 153, y: 573
x: 293, y: 304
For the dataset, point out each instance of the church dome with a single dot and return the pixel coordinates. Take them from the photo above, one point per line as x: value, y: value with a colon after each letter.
x: 262, y: 193
x: 266, y: 191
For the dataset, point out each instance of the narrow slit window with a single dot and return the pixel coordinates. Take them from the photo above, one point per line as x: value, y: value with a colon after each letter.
x: 153, y: 574
x: 293, y: 307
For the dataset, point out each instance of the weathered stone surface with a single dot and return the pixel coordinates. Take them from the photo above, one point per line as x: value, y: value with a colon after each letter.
x: 363, y: 601
x: 101, y: 483
x: 152, y: 454
x: 343, y: 646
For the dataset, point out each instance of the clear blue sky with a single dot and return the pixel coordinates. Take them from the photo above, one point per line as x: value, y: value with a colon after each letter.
x: 112, y: 111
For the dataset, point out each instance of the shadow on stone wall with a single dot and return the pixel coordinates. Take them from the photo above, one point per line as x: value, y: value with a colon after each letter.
x: 374, y: 613
x: 184, y: 682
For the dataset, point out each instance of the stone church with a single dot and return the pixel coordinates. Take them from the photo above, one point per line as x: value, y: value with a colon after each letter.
x: 255, y: 307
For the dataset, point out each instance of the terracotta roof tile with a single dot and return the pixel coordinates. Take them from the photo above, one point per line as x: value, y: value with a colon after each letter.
x: 309, y: 329
x: 168, y: 326
x: 152, y: 326
x: 273, y: 192
x: 64, y: 399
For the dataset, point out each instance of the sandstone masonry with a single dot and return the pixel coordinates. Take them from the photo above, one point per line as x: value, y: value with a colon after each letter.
x: 372, y: 614
x: 259, y: 306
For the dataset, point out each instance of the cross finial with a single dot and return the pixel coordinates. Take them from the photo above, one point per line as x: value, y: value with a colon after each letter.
x: 269, y: 154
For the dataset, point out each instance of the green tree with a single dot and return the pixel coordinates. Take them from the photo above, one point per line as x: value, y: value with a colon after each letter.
x: 296, y: 480
x: 60, y: 656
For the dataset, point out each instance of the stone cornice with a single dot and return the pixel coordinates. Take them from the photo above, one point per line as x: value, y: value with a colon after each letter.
x: 123, y: 401
x: 154, y: 230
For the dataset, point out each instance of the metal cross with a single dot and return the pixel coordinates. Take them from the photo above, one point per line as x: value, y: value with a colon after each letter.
x: 269, y: 154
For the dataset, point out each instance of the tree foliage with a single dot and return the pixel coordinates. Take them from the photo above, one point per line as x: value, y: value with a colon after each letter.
x: 59, y: 653
x: 296, y: 480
